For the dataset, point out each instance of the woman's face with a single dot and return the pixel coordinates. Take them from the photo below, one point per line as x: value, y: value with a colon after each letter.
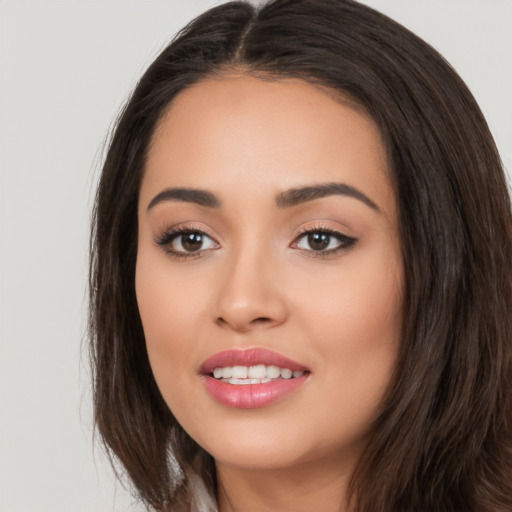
x: 269, y: 274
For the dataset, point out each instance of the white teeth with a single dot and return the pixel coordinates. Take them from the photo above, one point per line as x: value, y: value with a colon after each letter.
x: 246, y: 381
x: 227, y: 372
x: 239, y: 381
x: 257, y: 374
x: 239, y: 372
x: 286, y: 373
x: 273, y: 372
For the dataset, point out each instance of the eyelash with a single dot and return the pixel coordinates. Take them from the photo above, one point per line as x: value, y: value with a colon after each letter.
x: 165, y: 241
x: 345, y: 241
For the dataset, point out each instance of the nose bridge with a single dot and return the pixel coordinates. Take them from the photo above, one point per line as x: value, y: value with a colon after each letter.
x: 249, y: 296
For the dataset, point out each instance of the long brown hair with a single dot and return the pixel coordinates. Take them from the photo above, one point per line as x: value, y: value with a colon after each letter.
x: 443, y: 441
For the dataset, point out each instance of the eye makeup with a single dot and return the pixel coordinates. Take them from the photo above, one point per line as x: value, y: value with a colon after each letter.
x: 316, y: 241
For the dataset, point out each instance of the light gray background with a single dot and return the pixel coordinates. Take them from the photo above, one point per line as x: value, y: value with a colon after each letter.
x: 66, y: 67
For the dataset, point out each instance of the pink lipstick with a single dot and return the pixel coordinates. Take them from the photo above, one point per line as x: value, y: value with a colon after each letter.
x: 251, y: 378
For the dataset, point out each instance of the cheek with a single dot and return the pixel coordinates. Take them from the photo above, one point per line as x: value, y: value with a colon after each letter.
x: 169, y: 301
x: 162, y: 306
x: 359, y: 303
x: 168, y: 310
x: 356, y: 321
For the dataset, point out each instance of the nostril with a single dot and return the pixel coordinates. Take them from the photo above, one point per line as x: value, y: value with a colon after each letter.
x: 260, y: 320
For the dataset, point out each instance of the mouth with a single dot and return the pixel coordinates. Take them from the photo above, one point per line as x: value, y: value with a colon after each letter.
x: 252, y: 378
x: 258, y: 374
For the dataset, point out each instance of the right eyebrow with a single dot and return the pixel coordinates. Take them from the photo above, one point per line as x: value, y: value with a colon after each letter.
x: 187, y: 195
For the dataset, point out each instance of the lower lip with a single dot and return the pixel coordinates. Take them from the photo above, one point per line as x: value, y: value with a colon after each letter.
x: 252, y: 396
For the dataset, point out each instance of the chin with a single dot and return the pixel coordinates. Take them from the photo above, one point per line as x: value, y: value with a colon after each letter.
x: 263, y: 444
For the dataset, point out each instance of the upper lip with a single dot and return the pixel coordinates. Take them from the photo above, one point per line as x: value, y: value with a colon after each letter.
x: 249, y: 357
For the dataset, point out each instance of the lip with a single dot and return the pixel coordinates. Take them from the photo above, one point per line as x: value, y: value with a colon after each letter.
x: 251, y: 396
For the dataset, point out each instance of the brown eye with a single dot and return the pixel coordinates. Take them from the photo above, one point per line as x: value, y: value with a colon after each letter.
x: 189, y: 242
x: 319, y: 241
x: 322, y: 241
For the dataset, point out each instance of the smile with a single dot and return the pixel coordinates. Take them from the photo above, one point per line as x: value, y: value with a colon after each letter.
x: 253, y: 378
x: 258, y: 374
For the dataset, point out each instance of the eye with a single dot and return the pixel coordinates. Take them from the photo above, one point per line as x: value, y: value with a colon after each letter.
x: 183, y: 242
x: 323, y: 241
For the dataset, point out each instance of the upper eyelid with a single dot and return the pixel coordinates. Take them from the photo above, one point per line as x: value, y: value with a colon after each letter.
x: 320, y: 226
x: 335, y: 234
x: 304, y: 230
x: 187, y: 228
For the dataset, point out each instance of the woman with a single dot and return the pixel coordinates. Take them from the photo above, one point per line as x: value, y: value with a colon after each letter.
x: 301, y: 286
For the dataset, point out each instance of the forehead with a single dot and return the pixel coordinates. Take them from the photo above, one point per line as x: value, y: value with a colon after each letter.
x: 261, y: 132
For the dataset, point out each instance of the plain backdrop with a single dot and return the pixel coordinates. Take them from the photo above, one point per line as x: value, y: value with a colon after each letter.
x: 66, y: 68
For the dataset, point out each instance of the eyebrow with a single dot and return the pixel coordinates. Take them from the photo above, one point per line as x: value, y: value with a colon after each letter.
x: 296, y: 196
x: 187, y: 195
x: 287, y: 199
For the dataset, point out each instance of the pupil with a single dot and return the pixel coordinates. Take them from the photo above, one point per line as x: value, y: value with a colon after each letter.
x: 318, y: 241
x: 192, y: 241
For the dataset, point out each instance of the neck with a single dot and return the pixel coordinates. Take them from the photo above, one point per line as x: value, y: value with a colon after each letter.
x: 305, y: 487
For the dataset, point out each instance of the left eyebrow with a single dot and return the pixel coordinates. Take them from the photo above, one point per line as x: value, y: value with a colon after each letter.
x: 296, y: 196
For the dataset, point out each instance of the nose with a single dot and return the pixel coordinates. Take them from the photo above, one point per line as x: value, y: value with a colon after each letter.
x: 250, y: 295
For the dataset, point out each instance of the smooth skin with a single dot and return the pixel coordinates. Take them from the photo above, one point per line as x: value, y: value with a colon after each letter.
x: 319, y: 281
